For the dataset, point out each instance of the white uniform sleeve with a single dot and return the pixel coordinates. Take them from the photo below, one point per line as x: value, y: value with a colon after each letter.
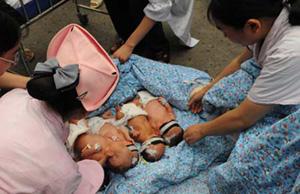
x: 279, y: 82
x: 159, y: 10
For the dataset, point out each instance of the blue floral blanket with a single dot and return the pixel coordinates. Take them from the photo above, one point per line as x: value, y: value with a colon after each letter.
x: 218, y: 164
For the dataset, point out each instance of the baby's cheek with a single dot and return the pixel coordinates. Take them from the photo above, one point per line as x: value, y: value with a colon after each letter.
x: 96, y: 156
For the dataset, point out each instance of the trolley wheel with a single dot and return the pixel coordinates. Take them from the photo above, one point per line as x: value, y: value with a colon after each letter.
x: 83, y: 19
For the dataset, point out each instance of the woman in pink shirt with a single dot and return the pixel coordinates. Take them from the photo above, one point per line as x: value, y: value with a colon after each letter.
x: 34, y: 158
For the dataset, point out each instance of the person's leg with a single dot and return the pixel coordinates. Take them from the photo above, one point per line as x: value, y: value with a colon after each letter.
x: 119, y: 13
x: 155, y: 41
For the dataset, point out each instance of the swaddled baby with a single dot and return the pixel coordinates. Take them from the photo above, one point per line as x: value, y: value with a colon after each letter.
x: 149, y: 119
x: 161, y: 116
x: 153, y: 146
x: 100, y: 140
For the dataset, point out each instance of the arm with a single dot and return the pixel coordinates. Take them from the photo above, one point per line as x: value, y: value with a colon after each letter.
x: 140, y: 32
x: 119, y: 114
x: 10, y: 80
x: 234, y: 65
x: 165, y: 103
x: 195, y: 100
x: 126, y: 134
x: 236, y: 120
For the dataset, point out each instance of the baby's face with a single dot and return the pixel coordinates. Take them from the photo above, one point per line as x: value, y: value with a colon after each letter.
x: 87, y: 144
x: 122, y: 157
x: 116, y: 154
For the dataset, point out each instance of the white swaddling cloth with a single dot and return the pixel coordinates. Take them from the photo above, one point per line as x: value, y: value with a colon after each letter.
x: 96, y: 123
x: 91, y: 126
x: 76, y: 130
x: 130, y: 110
x: 145, y: 97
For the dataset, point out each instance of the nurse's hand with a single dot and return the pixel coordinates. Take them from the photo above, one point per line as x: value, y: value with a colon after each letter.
x: 193, y: 134
x: 195, y: 101
x: 123, y: 53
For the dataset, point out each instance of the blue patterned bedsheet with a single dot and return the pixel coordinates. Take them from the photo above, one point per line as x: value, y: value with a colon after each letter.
x: 174, y: 82
x: 184, y: 165
x: 229, y: 92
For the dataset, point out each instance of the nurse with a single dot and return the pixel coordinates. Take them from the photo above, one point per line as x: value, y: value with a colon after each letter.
x: 265, y: 159
x: 146, y: 27
x: 34, y: 158
x: 270, y: 32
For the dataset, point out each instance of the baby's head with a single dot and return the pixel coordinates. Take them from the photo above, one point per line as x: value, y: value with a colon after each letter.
x: 174, y: 136
x: 111, y: 154
x: 172, y: 133
x: 120, y: 158
x: 153, y: 149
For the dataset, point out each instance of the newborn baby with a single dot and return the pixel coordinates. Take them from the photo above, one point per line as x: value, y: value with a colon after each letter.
x: 153, y: 146
x: 161, y: 116
x: 100, y: 140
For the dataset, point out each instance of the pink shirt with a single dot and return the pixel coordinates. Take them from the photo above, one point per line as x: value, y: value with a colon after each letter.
x: 33, y: 158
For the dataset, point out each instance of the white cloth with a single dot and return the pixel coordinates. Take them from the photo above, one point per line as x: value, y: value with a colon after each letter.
x: 75, y: 131
x: 96, y: 123
x: 92, y: 126
x: 131, y: 110
x: 177, y: 13
x: 279, y: 57
x: 145, y: 97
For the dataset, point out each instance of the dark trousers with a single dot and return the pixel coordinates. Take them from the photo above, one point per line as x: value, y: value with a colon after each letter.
x: 126, y: 15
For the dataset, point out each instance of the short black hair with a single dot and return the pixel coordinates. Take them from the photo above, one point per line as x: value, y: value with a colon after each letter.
x: 148, y: 156
x: 235, y: 13
x: 176, y: 139
x: 10, y: 32
x: 294, y: 17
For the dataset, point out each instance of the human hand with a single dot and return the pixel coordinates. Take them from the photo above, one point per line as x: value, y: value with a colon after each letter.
x: 126, y: 133
x: 123, y: 53
x: 165, y: 103
x: 193, y: 134
x: 195, y: 101
x: 119, y: 114
x: 107, y: 115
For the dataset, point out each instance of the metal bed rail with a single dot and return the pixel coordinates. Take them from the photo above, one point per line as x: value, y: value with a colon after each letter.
x: 42, y: 11
x: 39, y: 14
